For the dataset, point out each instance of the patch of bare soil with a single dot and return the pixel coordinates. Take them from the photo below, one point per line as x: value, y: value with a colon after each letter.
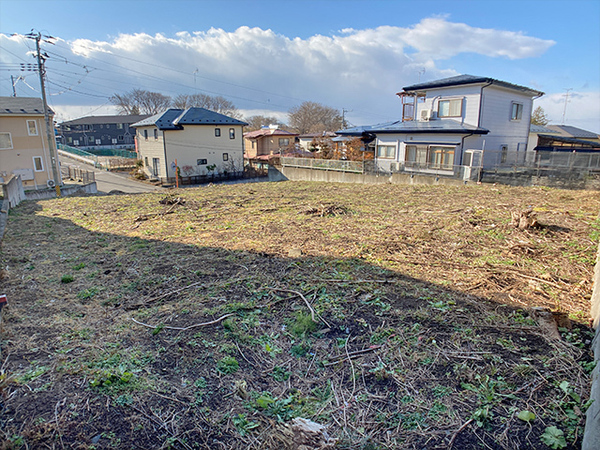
x: 268, y: 315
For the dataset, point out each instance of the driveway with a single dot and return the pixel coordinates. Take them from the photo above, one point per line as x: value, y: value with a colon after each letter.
x: 111, y: 181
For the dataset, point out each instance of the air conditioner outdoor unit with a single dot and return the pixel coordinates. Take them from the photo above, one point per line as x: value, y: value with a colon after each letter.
x: 425, y: 114
x: 50, y: 183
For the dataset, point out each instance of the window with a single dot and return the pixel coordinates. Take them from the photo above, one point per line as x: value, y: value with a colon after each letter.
x: 156, y: 134
x: 434, y: 156
x: 503, y: 153
x: 101, y: 125
x: 38, y: 165
x: 32, y: 128
x: 284, y: 142
x: 146, y: 134
x: 69, y: 140
x: 218, y: 132
x: 441, y: 157
x: 146, y: 161
x: 113, y: 140
x: 76, y: 142
x: 5, y: 141
x: 120, y: 138
x: 201, y: 162
x: 416, y: 155
x: 90, y: 140
x: 98, y: 142
x: 450, y: 108
x: 119, y: 126
x: 87, y: 127
x: 516, y: 111
x: 225, y: 156
x: 232, y: 133
x: 107, y: 126
x: 67, y: 128
x: 386, y: 151
x: 253, y: 144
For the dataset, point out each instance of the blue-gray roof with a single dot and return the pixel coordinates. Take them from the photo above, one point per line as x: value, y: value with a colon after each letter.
x: 541, y: 129
x: 574, y: 131
x: 468, y: 79
x: 174, y: 119
x: 195, y: 116
x: 433, y: 126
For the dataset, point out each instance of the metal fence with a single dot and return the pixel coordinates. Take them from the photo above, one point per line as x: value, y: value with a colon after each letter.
x: 323, y: 164
x: 75, y: 173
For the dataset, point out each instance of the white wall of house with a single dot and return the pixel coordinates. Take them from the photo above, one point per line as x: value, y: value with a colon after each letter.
x: 195, y: 147
x: 507, y: 140
x: 470, y: 102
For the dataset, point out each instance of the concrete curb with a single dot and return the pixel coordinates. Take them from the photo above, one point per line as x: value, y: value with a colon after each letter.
x: 591, y: 435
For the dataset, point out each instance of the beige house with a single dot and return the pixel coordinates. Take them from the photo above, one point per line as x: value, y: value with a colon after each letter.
x: 197, y: 141
x: 268, y: 141
x: 24, y: 148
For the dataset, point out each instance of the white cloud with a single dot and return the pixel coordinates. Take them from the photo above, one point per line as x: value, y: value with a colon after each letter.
x: 359, y: 70
x: 583, y: 109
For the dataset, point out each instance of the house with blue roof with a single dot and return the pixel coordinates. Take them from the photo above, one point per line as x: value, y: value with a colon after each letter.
x: 195, y: 140
x: 458, y: 121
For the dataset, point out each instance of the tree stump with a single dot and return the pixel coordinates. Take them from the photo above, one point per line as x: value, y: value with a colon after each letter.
x: 524, y: 220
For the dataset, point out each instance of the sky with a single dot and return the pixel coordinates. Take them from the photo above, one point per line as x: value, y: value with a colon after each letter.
x: 269, y: 56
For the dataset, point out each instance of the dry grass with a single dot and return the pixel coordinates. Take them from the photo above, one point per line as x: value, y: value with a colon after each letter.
x: 397, y: 315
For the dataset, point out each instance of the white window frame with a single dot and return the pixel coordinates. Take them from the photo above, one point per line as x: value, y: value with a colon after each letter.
x: 232, y: 133
x: 41, y: 160
x: 387, y: 151
x: 10, y: 142
x: 35, y: 129
x: 452, y: 102
x: 516, y: 111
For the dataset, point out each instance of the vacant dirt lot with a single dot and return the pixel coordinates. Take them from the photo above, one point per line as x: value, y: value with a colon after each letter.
x: 398, y: 316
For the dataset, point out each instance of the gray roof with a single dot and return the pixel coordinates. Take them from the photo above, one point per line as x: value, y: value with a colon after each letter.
x: 573, y: 131
x: 22, y: 105
x: 163, y: 120
x: 174, y: 119
x: 432, y: 126
x: 541, y: 129
x: 93, y: 120
x: 468, y: 79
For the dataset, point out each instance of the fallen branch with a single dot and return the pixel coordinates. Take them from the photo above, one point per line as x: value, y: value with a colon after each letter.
x: 465, y: 425
x: 165, y: 327
x: 351, y: 355
x: 299, y: 294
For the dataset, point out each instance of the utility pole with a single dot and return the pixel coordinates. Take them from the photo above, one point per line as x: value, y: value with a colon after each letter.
x: 49, y: 125
x: 566, y: 101
x: 12, y: 81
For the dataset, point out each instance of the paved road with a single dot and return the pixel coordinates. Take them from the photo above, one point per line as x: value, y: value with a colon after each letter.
x: 111, y: 181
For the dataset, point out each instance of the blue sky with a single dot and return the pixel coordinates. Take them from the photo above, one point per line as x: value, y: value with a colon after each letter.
x: 267, y: 56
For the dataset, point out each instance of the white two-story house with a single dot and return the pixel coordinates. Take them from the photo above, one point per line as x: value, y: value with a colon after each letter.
x: 459, y: 121
x: 195, y: 141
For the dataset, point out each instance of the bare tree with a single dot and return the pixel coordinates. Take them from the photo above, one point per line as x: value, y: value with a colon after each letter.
x: 312, y: 117
x: 215, y: 103
x: 257, y: 122
x: 140, y: 101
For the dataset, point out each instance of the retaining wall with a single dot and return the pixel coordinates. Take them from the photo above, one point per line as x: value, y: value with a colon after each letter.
x: 65, y: 191
x: 591, y: 436
x: 279, y: 173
